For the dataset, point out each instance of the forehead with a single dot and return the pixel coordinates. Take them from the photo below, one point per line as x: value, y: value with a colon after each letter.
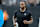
x: 22, y: 2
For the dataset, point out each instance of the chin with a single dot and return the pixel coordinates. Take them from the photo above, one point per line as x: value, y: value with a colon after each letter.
x: 22, y: 7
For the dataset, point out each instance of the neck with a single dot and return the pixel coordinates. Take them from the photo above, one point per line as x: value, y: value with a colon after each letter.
x: 23, y: 9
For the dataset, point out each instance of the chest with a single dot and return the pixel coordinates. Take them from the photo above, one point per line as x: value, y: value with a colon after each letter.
x: 22, y: 15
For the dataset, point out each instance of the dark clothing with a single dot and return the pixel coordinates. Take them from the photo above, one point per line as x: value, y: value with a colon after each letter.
x: 0, y: 2
x: 21, y: 16
x: 4, y: 23
x: 23, y: 25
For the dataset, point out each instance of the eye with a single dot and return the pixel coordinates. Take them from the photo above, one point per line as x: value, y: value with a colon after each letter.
x: 22, y: 4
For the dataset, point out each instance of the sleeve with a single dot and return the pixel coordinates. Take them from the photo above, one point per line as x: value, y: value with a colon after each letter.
x: 1, y: 19
x: 30, y: 15
x: 15, y: 14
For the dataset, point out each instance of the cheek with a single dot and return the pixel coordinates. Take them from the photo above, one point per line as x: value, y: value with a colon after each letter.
x: 21, y: 5
x: 24, y: 5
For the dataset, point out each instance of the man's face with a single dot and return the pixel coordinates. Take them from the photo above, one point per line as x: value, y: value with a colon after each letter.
x: 22, y: 4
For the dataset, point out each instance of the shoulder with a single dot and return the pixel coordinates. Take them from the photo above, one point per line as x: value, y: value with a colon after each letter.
x: 29, y: 12
x: 16, y: 11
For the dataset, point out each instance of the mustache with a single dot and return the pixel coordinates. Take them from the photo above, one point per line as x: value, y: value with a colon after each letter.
x: 22, y: 8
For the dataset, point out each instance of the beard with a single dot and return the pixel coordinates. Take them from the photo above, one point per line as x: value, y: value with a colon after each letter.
x: 22, y: 8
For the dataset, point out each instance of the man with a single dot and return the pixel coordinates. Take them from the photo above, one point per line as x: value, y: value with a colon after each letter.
x: 1, y: 18
x: 31, y: 2
x: 5, y: 15
x: 23, y: 16
x: 1, y: 15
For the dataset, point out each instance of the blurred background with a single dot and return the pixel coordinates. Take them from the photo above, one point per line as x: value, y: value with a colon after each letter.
x: 9, y: 6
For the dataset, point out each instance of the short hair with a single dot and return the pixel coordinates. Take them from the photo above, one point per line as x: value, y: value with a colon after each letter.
x: 24, y: 1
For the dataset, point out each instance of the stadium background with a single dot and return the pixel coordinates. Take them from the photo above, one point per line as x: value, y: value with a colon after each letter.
x: 10, y: 10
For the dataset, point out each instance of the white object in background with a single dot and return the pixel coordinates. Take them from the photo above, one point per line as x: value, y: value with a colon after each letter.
x: 10, y: 2
x: 16, y: 25
x: 37, y: 1
x: 3, y: 3
x: 14, y: 1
